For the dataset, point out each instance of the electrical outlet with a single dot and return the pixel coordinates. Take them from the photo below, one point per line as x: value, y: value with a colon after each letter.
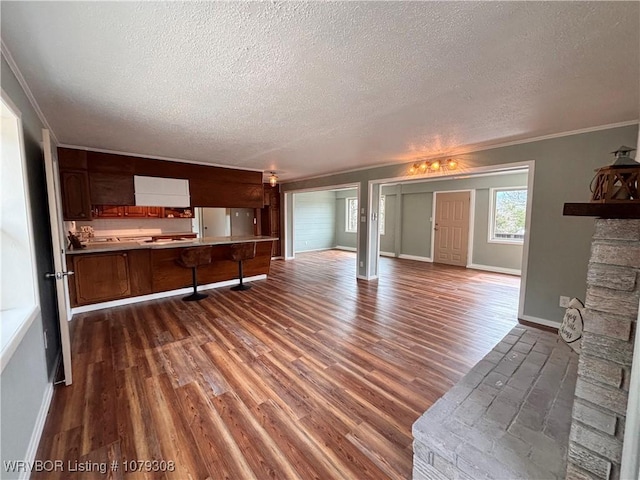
x: 362, y: 264
x: 564, y: 301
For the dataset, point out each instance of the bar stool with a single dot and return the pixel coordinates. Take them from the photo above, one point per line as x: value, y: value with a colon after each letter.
x: 238, y: 253
x: 192, y: 258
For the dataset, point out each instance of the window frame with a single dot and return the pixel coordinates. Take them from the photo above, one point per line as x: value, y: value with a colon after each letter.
x: 347, y: 214
x: 17, y: 321
x: 382, y: 220
x: 493, y: 192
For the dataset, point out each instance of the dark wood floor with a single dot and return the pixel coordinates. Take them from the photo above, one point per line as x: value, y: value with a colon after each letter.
x: 310, y: 374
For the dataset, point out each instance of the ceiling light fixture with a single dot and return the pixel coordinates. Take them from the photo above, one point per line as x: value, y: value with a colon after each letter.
x: 434, y: 166
x: 273, y: 179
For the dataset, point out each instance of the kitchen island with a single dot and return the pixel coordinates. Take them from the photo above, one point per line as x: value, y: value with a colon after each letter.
x: 111, y: 273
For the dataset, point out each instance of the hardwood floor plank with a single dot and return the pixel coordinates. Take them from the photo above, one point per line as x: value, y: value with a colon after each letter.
x: 310, y: 374
x: 214, y: 442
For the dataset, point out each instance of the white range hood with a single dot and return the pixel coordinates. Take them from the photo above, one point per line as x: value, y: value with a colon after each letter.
x: 161, y: 192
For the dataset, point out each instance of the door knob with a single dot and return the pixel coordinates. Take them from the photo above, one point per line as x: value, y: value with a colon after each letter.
x: 59, y: 275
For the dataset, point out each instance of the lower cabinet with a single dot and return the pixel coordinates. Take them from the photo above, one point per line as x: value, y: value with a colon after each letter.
x: 100, y: 277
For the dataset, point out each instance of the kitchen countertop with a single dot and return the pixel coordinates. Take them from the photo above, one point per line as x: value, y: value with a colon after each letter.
x: 98, y: 247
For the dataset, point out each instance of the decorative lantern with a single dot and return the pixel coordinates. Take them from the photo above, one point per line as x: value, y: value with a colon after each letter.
x: 617, y: 183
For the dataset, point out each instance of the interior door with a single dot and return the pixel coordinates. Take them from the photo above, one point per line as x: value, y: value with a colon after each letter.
x: 58, y: 242
x: 452, y: 228
x: 216, y: 222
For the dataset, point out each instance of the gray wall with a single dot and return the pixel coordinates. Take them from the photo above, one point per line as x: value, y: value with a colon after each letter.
x: 344, y: 238
x: 314, y: 221
x: 24, y: 381
x: 492, y: 254
x: 414, y: 219
x: 559, y: 246
x: 415, y: 225
x: 392, y: 221
x: 23, y: 387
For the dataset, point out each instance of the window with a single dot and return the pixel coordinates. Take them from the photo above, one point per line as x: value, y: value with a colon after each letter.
x: 352, y: 215
x: 18, y: 299
x: 381, y: 215
x: 508, y: 213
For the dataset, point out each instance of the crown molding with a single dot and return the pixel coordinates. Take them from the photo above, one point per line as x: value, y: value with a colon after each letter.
x: 27, y: 91
x: 471, y: 149
x: 157, y: 157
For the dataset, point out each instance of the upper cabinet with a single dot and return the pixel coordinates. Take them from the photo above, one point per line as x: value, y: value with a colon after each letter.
x: 74, y: 184
x: 75, y: 195
x: 93, y: 178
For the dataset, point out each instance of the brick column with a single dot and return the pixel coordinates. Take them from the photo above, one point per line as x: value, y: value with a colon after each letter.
x: 613, y: 294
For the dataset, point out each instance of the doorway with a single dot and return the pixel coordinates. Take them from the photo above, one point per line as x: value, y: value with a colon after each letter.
x: 451, y: 228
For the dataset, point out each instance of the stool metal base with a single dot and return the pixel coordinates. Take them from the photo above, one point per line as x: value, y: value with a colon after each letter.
x: 241, y: 287
x: 195, y: 297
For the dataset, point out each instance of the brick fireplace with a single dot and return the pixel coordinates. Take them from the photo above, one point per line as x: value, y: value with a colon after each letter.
x: 602, y: 387
x: 517, y: 413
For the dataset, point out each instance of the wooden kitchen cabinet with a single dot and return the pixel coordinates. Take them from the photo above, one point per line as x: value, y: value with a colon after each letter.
x: 270, y: 216
x: 100, y: 277
x: 155, y: 212
x: 136, y: 212
x: 75, y: 195
x: 111, y: 189
x: 170, y: 212
x: 108, y: 211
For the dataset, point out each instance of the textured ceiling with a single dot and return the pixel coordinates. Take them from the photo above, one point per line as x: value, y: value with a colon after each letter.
x: 312, y: 88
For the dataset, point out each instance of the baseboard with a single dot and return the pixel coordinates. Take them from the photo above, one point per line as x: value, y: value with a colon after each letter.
x: 364, y: 277
x: 415, y: 257
x: 541, y: 323
x: 155, y: 296
x: 38, y: 428
x: 490, y: 268
x: 387, y: 254
x: 348, y: 249
x: 315, y: 250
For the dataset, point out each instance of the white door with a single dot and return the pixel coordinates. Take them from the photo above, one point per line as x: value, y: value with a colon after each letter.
x: 58, y: 241
x: 216, y: 222
x: 452, y: 228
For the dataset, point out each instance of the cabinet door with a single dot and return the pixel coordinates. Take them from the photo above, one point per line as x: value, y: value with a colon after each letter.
x: 135, y: 212
x: 155, y: 212
x: 109, y: 211
x: 101, y: 277
x: 75, y: 195
x: 111, y: 189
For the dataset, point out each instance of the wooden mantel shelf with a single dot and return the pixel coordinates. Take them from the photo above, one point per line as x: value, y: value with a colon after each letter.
x: 602, y: 210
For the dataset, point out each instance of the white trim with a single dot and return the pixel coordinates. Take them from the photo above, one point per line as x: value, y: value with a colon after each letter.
x: 368, y: 279
x: 346, y: 214
x: 472, y: 149
x: 324, y: 249
x: 159, y: 157
x: 38, y: 428
x: 489, y: 170
x: 341, y: 186
x: 289, y: 209
x: 348, y: 249
x: 32, y: 310
x: 527, y: 237
x: 25, y: 316
x: 540, y: 321
x: 13, y: 66
x: 416, y: 258
x: 490, y: 268
x: 387, y: 254
x: 492, y: 206
x: 630, y: 464
x: 170, y: 293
